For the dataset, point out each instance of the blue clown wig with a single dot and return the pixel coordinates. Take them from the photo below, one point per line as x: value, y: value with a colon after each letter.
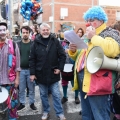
x: 95, y: 12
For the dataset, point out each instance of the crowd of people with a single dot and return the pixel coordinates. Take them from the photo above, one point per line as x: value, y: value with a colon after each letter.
x: 38, y: 57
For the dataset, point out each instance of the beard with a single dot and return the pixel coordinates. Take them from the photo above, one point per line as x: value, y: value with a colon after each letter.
x: 25, y: 38
x: 45, y: 36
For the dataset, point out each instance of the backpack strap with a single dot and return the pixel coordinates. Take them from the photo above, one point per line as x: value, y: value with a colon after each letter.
x: 12, y: 46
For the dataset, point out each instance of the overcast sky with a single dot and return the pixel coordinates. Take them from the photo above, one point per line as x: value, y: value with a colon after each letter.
x: 109, y: 2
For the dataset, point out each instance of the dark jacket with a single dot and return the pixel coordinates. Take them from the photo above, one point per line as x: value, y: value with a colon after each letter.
x: 44, y: 59
x: 16, y: 38
x: 19, y: 46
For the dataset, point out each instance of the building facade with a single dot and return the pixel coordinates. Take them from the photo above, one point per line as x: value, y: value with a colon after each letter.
x: 68, y: 14
x: 65, y: 14
x: 113, y: 14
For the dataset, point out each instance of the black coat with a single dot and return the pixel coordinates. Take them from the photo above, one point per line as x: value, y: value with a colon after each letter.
x: 44, y: 59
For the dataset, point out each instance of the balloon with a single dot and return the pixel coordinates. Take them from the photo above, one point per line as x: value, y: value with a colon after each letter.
x: 30, y: 9
x: 40, y: 10
x: 21, y: 12
x: 23, y: 9
x: 36, y: 6
x: 29, y: 3
x: 23, y: 4
x: 28, y: 14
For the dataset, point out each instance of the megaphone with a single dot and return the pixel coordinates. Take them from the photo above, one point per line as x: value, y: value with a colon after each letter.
x: 97, y: 60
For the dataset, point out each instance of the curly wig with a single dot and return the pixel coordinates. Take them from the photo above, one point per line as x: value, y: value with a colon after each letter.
x: 95, y: 12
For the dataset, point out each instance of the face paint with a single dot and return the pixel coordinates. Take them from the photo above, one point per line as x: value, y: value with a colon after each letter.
x: 2, y: 32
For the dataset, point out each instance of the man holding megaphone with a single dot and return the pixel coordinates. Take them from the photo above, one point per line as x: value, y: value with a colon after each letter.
x: 95, y: 87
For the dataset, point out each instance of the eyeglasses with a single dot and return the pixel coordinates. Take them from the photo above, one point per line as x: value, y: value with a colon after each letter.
x: 90, y: 20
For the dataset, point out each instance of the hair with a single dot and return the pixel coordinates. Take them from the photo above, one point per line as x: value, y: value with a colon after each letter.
x: 4, y: 23
x: 95, y: 12
x: 81, y: 30
x: 17, y: 31
x: 36, y: 28
x: 44, y: 25
x: 26, y: 28
x: 116, y: 26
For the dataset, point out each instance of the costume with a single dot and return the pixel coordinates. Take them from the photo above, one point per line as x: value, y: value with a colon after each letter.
x: 47, y: 55
x: 5, y: 81
x: 89, y: 82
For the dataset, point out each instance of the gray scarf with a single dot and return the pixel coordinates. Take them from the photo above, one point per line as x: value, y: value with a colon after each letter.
x: 109, y: 32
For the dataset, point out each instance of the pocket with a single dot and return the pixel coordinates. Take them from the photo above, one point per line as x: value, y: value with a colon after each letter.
x: 101, y: 83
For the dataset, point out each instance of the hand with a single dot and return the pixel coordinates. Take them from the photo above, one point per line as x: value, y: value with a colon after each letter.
x: 66, y: 50
x: 16, y: 82
x: 56, y: 71
x: 32, y: 78
x: 90, y: 32
x: 72, y: 47
x: 117, y: 85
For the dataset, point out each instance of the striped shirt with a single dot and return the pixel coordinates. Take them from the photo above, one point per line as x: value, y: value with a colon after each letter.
x: 4, y: 63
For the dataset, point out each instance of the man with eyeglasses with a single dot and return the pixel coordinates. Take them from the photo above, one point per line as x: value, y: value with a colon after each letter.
x: 95, y: 101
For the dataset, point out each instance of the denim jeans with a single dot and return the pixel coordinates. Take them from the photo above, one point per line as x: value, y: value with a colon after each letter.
x: 54, y: 88
x: 25, y: 78
x: 86, y: 109
x: 93, y: 107
x: 100, y: 105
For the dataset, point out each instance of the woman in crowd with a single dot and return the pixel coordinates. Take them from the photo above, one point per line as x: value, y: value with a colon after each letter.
x: 80, y: 32
x: 35, y: 31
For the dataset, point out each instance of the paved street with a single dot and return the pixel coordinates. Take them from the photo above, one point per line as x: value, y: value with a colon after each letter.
x: 70, y: 108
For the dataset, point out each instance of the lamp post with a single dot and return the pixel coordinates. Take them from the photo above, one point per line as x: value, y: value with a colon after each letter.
x: 9, y: 22
x: 92, y: 3
x: 53, y: 25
